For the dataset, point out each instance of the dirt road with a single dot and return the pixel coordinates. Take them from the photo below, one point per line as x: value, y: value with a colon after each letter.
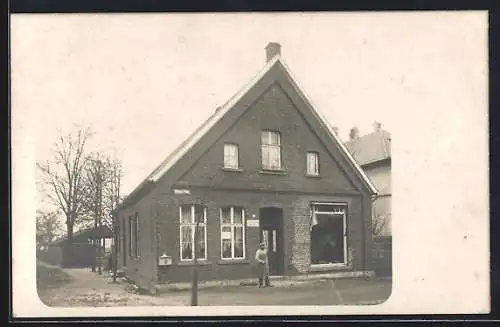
x: 81, y: 287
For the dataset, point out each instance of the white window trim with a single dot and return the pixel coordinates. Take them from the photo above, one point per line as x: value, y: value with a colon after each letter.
x: 269, y: 145
x: 232, y: 225
x: 193, y: 224
x: 229, y: 144
x: 308, y: 171
x: 342, y: 212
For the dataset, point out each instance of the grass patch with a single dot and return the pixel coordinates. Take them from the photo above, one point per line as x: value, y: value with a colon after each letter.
x: 50, y: 276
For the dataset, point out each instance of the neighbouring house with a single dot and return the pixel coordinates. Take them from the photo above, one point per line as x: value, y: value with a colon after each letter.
x: 83, y: 250
x: 373, y: 153
x: 264, y: 167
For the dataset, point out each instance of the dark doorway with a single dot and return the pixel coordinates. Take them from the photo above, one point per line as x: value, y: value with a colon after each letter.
x: 271, y: 222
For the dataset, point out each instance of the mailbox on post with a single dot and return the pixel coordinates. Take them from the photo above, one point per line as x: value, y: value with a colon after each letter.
x: 165, y: 260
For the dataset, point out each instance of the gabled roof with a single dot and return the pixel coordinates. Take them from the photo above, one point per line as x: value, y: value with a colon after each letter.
x: 200, y: 132
x: 371, y: 148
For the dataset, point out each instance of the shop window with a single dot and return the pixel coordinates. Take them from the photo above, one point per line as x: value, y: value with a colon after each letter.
x: 328, y: 235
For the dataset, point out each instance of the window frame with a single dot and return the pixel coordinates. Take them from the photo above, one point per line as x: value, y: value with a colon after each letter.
x: 318, y: 171
x: 193, y: 226
x: 339, y: 209
x: 236, y: 146
x: 271, y: 146
x: 130, y: 236
x: 232, y: 225
x: 136, y: 236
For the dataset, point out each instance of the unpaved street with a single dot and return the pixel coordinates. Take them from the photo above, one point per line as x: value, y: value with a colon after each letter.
x: 84, y: 288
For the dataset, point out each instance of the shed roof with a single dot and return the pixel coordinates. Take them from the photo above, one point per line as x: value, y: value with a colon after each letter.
x: 100, y: 231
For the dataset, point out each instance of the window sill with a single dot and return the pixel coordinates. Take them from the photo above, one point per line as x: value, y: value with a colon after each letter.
x: 191, y: 263
x: 313, y: 176
x: 232, y: 261
x: 272, y: 172
x: 329, y: 267
x: 236, y: 170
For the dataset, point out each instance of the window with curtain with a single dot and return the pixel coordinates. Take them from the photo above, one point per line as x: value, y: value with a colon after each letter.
x: 312, y: 163
x: 271, y: 150
x: 231, y: 156
x: 232, y: 233
x: 189, y: 216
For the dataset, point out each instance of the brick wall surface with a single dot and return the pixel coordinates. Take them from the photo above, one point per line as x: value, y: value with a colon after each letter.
x: 160, y: 228
x: 296, y: 232
x: 141, y: 269
x: 273, y: 111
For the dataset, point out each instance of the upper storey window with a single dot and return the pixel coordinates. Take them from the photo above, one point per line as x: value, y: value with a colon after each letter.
x: 271, y: 150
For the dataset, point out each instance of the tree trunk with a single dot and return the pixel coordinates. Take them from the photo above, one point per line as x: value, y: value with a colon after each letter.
x: 68, y: 247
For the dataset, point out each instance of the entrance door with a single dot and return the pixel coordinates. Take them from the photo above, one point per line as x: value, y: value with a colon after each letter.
x: 271, y: 234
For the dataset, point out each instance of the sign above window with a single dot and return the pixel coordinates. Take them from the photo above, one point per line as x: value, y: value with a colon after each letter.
x: 252, y: 223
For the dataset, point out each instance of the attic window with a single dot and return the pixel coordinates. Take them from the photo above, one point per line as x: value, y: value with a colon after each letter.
x: 271, y: 150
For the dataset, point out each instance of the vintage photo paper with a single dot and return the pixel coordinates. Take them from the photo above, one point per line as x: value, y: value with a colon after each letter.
x: 242, y: 164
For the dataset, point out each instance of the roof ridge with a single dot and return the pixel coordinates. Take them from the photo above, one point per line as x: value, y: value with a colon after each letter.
x: 189, y: 142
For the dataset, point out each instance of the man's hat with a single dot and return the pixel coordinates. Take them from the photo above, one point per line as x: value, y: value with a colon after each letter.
x: 262, y: 244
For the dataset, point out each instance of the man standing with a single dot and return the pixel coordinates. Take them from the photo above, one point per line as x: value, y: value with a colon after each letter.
x: 262, y: 265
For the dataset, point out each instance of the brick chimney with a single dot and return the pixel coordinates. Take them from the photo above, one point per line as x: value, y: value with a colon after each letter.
x: 273, y: 49
x: 377, y: 126
x: 354, y: 133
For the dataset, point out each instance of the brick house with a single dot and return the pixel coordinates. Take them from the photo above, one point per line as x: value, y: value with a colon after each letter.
x: 264, y: 167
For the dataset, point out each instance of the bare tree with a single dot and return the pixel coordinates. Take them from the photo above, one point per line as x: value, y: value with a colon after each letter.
x: 64, y: 176
x: 103, y: 176
x: 48, y: 228
x: 379, y: 221
x: 103, y: 182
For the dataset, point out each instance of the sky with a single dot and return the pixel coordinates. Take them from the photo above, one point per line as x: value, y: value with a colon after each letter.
x: 144, y: 82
